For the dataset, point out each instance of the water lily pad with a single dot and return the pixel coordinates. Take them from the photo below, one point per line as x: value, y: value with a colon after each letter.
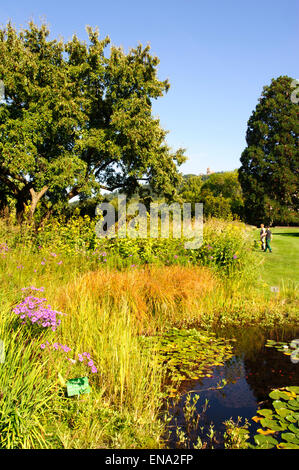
x: 283, y: 412
x: 287, y: 445
x: 290, y: 437
x: 265, y: 442
x: 264, y: 412
x: 290, y: 417
x: 265, y: 433
x: 293, y: 404
x: 279, y: 404
x: 277, y: 394
x: 273, y: 424
x: 294, y: 429
x: 256, y: 418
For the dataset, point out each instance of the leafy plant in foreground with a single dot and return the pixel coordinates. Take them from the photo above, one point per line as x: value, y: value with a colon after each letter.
x: 236, y: 435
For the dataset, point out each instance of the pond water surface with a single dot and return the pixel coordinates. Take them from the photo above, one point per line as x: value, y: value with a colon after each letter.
x: 251, y: 374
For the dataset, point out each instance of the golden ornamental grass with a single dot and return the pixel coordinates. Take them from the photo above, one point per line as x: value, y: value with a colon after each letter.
x: 147, y: 292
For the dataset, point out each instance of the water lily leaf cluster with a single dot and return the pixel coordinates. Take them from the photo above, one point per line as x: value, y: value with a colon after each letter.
x: 280, y: 425
x: 189, y: 354
x: 288, y: 349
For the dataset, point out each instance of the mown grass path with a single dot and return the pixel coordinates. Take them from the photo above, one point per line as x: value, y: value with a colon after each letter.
x: 282, y: 265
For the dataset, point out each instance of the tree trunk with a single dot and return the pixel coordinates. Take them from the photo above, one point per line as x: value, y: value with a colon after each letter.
x: 35, y: 197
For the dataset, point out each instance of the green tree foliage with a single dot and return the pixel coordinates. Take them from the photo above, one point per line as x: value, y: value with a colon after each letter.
x: 220, y: 193
x: 75, y: 121
x: 270, y: 162
x: 224, y: 184
x: 190, y: 190
x: 216, y: 206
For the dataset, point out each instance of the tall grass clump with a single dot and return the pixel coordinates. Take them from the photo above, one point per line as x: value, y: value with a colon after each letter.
x: 158, y: 298
x: 154, y: 296
x: 26, y: 393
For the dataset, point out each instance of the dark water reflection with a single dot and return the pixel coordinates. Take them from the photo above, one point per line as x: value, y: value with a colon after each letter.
x: 251, y: 374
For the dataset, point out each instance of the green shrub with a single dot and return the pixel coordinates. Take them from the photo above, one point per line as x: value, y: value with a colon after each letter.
x: 227, y: 246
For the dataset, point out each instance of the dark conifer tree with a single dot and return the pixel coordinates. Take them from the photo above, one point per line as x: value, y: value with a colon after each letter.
x: 270, y: 162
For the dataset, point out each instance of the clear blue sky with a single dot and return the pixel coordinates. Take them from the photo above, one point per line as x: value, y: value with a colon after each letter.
x: 217, y: 55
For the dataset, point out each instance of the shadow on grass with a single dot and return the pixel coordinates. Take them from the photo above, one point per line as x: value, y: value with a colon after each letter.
x: 287, y: 234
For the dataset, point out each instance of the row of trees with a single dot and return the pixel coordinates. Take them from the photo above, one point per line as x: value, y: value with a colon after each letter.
x: 75, y: 121
x: 221, y: 194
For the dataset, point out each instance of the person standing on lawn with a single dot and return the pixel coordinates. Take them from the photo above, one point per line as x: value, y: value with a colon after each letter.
x: 268, y: 239
x: 263, y: 237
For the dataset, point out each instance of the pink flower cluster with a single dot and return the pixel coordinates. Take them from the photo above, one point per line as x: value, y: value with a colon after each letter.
x: 101, y: 256
x: 32, y: 288
x: 38, y: 312
x: 84, y: 357
x: 56, y: 346
x: 3, y: 248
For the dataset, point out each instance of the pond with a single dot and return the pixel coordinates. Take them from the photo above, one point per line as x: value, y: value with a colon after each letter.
x: 250, y: 375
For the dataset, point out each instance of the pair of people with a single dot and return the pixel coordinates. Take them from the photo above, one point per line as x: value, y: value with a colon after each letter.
x: 265, y: 237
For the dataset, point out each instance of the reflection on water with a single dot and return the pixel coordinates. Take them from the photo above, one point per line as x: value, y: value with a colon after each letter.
x: 250, y: 374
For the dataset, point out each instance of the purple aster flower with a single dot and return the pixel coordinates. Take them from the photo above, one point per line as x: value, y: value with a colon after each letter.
x: 35, y: 310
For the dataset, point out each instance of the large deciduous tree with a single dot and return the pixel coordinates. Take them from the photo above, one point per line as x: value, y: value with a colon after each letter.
x: 270, y: 162
x: 75, y: 121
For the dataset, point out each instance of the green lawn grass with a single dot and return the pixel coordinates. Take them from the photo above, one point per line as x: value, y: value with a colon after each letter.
x: 281, y: 267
